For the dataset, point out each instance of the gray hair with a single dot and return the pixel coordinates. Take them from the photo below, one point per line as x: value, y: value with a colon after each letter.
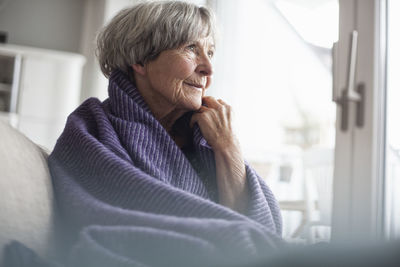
x: 140, y: 33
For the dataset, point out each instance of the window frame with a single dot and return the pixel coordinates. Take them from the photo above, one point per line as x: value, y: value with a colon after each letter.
x: 359, y: 173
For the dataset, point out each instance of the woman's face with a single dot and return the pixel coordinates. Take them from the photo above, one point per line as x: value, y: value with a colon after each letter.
x: 179, y: 77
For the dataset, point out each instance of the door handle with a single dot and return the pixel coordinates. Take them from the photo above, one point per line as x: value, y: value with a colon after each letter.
x: 351, y: 93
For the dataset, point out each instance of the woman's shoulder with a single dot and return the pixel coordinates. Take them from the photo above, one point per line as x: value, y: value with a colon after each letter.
x: 91, y: 102
x: 91, y: 106
x: 88, y: 113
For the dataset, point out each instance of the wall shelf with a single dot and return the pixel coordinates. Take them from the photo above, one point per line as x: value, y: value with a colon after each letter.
x: 5, y: 88
x: 40, y: 88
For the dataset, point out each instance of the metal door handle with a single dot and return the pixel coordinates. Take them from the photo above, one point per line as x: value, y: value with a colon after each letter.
x: 350, y: 94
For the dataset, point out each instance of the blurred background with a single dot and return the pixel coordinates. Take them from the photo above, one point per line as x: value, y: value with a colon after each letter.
x: 273, y: 65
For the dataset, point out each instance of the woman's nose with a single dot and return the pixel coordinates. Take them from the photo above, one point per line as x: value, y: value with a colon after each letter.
x: 205, y: 65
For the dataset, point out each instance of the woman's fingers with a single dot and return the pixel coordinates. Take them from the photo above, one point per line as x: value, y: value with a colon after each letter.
x: 218, y: 105
x: 211, y: 102
x: 214, y: 120
x: 222, y: 102
x: 214, y: 108
x: 202, y: 109
x: 201, y: 114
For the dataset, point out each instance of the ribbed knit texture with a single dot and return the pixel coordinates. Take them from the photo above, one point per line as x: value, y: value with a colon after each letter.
x: 130, y: 197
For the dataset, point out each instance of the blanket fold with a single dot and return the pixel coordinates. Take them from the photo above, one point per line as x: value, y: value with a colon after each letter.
x: 130, y: 196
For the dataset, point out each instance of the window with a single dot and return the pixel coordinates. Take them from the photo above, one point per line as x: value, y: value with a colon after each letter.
x: 273, y: 65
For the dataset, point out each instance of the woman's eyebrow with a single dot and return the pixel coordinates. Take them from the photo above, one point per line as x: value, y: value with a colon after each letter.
x: 211, y: 46
x: 204, y: 42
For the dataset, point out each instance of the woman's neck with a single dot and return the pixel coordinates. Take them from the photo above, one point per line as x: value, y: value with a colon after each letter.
x: 169, y: 119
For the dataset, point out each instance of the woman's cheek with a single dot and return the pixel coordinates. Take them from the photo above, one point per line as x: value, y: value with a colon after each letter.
x: 177, y: 91
x: 188, y: 65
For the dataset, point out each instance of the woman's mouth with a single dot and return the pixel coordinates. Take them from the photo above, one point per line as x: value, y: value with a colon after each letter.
x: 195, y: 86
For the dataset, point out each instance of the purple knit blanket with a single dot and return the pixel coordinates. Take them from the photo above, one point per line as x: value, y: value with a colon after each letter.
x: 129, y: 196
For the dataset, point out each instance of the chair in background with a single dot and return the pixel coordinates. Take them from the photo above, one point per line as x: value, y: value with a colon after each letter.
x: 315, y: 206
x: 318, y: 181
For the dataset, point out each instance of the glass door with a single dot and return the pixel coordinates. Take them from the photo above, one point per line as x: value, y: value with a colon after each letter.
x: 335, y: 168
x: 273, y: 65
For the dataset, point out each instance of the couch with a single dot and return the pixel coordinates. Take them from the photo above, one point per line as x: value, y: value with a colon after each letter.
x: 27, y: 211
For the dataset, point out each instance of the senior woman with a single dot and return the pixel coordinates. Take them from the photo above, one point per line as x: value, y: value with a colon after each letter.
x: 154, y: 174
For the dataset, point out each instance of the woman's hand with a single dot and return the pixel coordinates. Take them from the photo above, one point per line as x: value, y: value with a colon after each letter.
x: 214, y: 120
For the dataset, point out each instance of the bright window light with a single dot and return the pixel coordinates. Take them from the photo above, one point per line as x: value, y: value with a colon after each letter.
x: 315, y: 21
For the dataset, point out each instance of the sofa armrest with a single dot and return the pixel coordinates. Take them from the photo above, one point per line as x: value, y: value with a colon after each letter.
x: 26, y: 193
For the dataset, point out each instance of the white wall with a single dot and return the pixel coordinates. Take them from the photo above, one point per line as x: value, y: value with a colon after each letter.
x: 52, y: 24
x: 93, y: 82
x: 96, y: 14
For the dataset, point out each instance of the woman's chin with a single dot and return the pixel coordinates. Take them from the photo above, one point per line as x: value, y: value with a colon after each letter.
x: 194, y: 104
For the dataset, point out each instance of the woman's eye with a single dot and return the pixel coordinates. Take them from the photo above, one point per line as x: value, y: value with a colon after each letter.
x: 191, y: 47
x: 210, y: 54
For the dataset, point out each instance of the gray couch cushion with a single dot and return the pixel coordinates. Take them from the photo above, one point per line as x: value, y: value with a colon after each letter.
x: 26, y: 194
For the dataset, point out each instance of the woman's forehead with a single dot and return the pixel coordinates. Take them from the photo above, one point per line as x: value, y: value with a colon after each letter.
x: 206, y: 41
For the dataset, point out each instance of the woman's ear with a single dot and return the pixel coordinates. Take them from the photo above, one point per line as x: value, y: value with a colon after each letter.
x: 139, y: 69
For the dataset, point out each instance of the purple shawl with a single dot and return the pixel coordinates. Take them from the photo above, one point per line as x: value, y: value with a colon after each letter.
x: 129, y: 196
